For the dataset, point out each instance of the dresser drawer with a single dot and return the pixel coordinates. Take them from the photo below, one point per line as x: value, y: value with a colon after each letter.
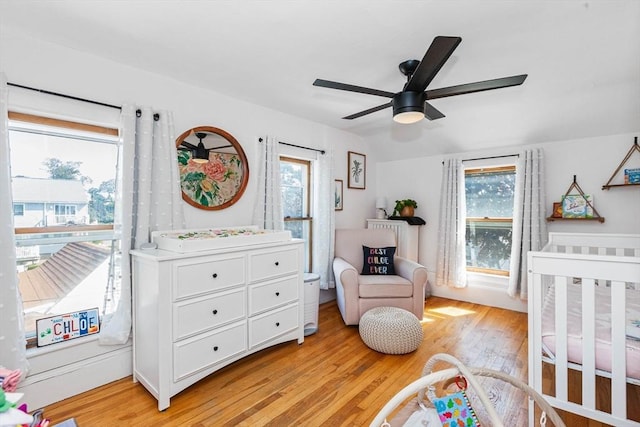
x: 266, y: 265
x: 207, y: 274
x: 275, y: 293
x: 272, y: 324
x: 203, y: 351
x: 203, y: 313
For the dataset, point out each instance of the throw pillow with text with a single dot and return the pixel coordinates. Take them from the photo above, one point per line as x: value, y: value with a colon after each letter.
x: 378, y: 260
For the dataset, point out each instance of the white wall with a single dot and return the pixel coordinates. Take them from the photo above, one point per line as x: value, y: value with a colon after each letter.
x: 592, y: 160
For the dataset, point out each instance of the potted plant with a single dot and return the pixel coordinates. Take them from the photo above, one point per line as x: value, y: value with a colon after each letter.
x: 405, y: 207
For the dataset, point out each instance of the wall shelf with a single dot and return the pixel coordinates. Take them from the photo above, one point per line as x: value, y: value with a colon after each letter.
x: 601, y: 219
x: 608, y: 186
x: 635, y: 147
x: 596, y: 216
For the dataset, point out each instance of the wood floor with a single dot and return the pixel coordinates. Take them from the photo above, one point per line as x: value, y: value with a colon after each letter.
x: 332, y: 379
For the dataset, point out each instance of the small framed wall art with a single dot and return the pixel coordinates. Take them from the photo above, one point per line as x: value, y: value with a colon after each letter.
x: 338, y: 195
x: 357, y: 170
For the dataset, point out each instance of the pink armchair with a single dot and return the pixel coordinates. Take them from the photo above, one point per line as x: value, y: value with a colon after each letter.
x: 356, y: 293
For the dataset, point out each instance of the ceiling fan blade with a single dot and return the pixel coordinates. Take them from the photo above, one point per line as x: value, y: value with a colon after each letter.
x: 476, y: 87
x: 219, y: 147
x: 351, y: 88
x: 189, y: 145
x: 440, y: 50
x: 431, y: 113
x: 369, y: 111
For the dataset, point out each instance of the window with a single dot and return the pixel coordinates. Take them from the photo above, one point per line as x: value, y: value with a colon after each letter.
x: 295, y: 175
x: 18, y: 209
x: 65, y: 214
x: 489, y: 199
x: 63, y: 177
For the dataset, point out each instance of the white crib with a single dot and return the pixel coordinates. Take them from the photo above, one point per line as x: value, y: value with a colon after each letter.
x: 584, y: 290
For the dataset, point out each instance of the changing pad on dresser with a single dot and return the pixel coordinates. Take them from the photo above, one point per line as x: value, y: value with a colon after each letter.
x: 213, y: 238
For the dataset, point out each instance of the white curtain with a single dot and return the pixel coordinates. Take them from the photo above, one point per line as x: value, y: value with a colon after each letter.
x: 13, y: 343
x: 324, y: 221
x: 451, y: 261
x: 529, y: 223
x: 268, y: 212
x: 149, y: 196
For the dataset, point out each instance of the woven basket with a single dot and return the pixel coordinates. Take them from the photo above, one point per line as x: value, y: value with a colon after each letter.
x: 391, y: 330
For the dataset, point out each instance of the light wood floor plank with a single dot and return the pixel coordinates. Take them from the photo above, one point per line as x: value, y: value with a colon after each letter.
x: 332, y: 379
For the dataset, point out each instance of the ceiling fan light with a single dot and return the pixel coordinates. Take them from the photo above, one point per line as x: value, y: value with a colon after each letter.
x: 200, y: 154
x: 408, y: 117
x: 408, y: 107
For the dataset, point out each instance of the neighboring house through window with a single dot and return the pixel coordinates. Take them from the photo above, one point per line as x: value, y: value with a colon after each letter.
x: 296, y: 201
x: 63, y: 192
x: 489, y: 196
x: 48, y: 202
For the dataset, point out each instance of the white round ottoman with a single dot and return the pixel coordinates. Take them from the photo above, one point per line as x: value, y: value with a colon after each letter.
x: 390, y: 330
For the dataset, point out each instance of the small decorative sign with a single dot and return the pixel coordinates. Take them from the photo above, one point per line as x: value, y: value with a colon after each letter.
x: 577, y: 206
x: 632, y: 176
x: 65, y: 327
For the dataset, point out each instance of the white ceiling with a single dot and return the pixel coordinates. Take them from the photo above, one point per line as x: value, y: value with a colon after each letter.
x: 582, y: 58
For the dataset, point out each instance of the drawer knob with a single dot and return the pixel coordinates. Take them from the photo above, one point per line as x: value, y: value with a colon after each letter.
x: 277, y: 263
x: 215, y: 311
x: 215, y: 348
x: 277, y: 324
x: 215, y: 275
x: 277, y: 294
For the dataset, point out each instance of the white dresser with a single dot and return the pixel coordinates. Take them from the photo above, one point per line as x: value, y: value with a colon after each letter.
x: 194, y: 313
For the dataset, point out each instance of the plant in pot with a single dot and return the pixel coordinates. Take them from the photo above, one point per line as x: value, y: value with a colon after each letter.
x: 405, y: 207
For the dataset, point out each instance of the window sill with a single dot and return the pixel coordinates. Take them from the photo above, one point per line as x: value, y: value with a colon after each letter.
x: 484, y: 280
x: 59, y: 355
x: 38, y: 351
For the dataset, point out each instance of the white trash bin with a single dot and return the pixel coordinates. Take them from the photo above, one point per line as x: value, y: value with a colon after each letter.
x: 311, y: 302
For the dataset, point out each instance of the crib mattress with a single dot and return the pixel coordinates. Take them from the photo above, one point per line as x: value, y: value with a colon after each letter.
x: 603, y: 332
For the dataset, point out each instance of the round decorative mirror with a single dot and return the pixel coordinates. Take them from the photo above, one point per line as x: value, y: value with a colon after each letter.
x: 213, y: 168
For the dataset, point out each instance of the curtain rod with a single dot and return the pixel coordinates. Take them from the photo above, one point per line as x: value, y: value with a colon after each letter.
x: 490, y: 157
x: 297, y: 146
x: 62, y: 95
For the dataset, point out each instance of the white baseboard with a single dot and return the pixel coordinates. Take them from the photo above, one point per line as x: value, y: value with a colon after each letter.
x: 57, y: 384
x: 481, y: 295
x: 490, y: 296
x: 327, y: 295
x: 484, y: 289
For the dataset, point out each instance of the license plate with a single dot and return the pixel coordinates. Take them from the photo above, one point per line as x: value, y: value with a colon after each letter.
x: 65, y: 327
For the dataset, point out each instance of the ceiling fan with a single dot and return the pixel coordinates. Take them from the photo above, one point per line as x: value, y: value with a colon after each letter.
x: 199, y: 153
x: 410, y: 105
